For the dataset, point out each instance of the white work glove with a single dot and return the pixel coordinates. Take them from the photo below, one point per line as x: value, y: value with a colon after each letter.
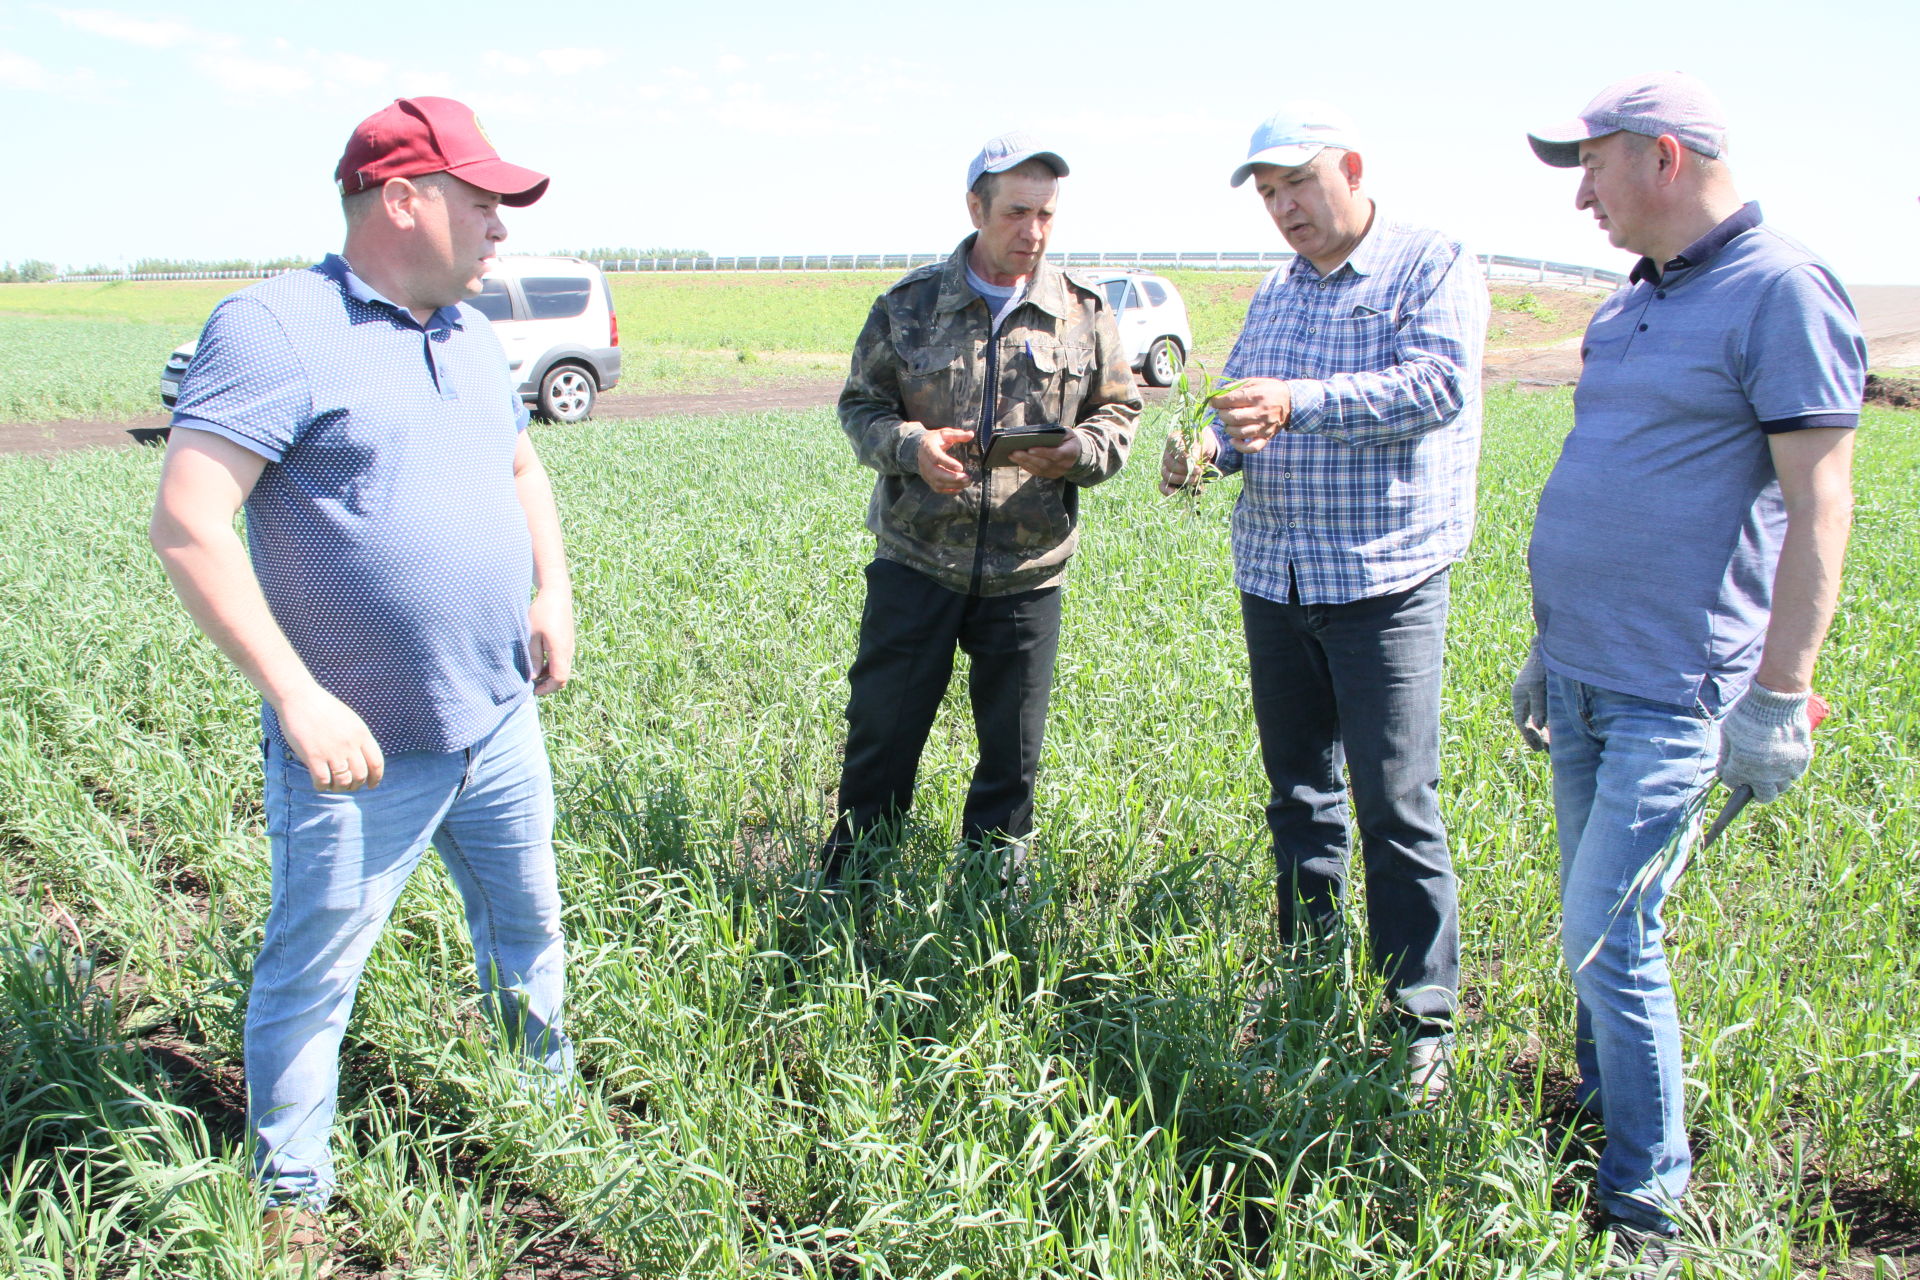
x: 1530, y: 699
x: 1766, y: 742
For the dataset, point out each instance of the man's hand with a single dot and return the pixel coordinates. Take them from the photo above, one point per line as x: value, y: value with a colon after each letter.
x: 331, y: 739
x: 1252, y: 410
x: 1050, y: 463
x: 1178, y: 470
x: 1530, y: 700
x: 1766, y: 742
x: 940, y: 469
x: 550, y: 640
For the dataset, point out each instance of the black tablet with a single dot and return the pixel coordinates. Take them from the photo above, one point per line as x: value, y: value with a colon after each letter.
x: 1009, y: 440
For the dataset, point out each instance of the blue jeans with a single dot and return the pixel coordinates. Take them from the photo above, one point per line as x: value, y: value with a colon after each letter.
x: 339, y: 863
x: 1359, y: 684
x: 1625, y: 774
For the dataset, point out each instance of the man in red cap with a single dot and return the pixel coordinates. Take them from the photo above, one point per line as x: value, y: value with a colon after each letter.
x: 398, y: 521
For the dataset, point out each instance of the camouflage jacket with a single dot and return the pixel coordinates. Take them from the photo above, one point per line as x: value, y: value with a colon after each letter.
x: 927, y: 358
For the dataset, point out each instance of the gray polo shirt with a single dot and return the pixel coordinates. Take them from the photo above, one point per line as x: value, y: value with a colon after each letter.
x: 1657, y: 536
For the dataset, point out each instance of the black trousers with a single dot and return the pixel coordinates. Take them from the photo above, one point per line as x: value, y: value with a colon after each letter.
x: 1358, y: 685
x: 908, y: 633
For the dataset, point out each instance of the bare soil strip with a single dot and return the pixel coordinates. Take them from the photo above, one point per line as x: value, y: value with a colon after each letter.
x: 1889, y: 315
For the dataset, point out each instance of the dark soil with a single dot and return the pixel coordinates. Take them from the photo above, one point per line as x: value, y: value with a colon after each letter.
x: 1893, y: 393
x: 1877, y: 1224
x: 46, y: 438
x: 1552, y: 315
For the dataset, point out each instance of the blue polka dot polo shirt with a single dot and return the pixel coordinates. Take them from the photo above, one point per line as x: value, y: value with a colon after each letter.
x: 385, y: 529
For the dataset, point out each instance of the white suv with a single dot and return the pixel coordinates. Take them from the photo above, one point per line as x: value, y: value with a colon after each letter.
x: 555, y: 318
x: 1153, y: 322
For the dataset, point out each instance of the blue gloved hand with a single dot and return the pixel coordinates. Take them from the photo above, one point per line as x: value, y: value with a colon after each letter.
x: 1766, y: 742
x: 1530, y: 699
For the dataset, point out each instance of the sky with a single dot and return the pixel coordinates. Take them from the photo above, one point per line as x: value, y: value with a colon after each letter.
x: 210, y: 130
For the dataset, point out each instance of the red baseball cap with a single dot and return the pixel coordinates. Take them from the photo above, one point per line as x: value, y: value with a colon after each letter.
x: 418, y: 136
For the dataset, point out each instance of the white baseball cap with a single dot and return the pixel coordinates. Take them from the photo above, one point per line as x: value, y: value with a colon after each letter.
x: 1295, y: 134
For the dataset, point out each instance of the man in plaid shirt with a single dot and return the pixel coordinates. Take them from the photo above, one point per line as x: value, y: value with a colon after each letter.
x: 1356, y: 428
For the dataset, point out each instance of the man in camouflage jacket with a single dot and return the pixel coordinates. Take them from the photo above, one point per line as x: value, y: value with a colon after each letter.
x: 994, y: 338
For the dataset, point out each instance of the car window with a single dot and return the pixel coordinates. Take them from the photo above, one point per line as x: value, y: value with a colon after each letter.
x: 1116, y: 293
x: 555, y: 297
x: 493, y: 302
x: 1156, y: 292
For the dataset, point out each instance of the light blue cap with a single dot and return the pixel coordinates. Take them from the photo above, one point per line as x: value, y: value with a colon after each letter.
x: 1295, y: 134
x: 1010, y: 149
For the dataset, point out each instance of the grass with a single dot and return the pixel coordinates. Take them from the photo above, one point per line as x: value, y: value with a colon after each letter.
x: 1075, y: 1092
x: 95, y: 350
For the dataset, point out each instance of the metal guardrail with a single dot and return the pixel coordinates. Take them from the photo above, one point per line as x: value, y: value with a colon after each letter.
x: 1540, y: 269
x: 238, y: 274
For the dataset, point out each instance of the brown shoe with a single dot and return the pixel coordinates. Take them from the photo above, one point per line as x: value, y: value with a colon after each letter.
x: 298, y: 1235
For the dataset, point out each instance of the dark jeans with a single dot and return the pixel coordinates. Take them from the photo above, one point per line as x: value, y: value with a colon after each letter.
x: 1359, y: 684
x: 908, y: 632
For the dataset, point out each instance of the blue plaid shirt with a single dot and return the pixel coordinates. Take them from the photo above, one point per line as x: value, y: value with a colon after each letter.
x: 1370, y: 488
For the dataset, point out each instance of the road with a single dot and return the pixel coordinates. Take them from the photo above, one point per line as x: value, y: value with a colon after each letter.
x: 1890, y: 317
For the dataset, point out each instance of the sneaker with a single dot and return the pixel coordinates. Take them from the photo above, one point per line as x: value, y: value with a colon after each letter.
x: 297, y: 1235
x: 1646, y: 1251
x: 1429, y: 1069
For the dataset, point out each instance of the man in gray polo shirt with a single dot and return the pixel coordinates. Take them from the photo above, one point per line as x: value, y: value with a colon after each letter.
x: 1685, y: 563
x: 398, y: 521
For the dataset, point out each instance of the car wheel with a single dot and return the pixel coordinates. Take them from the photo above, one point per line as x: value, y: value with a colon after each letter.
x: 1163, y: 363
x: 566, y: 393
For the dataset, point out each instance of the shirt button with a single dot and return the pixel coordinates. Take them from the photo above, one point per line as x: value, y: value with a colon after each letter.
x: 1643, y: 328
x: 1311, y: 329
x: 1659, y: 293
x: 1293, y: 524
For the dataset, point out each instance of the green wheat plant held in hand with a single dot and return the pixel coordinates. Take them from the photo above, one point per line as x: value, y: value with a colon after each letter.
x: 1188, y: 414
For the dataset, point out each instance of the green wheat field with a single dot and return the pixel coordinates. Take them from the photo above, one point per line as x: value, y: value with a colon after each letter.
x: 1082, y: 1088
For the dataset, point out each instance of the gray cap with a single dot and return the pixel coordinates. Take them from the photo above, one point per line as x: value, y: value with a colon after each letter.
x: 1010, y: 149
x: 1665, y: 102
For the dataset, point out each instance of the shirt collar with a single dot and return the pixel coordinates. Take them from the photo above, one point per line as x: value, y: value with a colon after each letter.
x: 342, y: 273
x: 1701, y: 251
x: 1046, y: 287
x: 1367, y: 256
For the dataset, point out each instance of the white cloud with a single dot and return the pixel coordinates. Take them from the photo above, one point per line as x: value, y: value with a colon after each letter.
x: 354, y: 69
x: 1218, y: 132
x: 566, y: 61
x: 240, y: 74
x: 17, y: 71
x: 730, y: 62
x: 160, y: 33
x: 416, y: 83
x: 507, y: 63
